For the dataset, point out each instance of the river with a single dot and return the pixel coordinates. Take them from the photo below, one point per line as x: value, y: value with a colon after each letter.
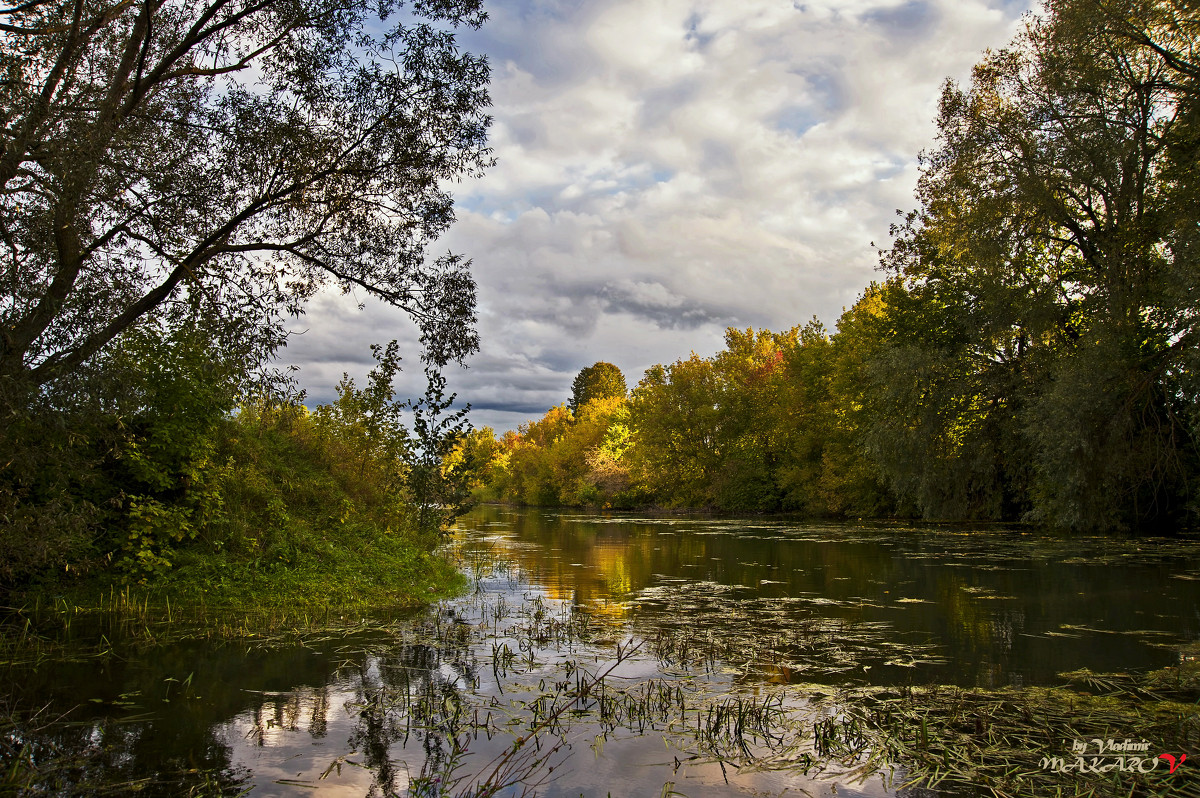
x: 614, y: 654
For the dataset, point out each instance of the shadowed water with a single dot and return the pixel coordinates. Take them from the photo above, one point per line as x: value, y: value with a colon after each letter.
x: 608, y: 654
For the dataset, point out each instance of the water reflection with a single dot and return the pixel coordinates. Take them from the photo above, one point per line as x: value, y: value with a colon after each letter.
x: 715, y: 641
x: 979, y: 608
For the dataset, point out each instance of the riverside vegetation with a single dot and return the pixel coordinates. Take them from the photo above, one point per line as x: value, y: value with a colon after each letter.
x: 268, y: 505
x: 266, y: 523
x: 178, y: 180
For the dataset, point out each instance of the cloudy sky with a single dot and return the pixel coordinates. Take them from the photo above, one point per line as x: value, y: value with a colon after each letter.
x: 668, y: 169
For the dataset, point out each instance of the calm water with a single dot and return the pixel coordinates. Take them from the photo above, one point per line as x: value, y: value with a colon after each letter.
x: 706, y: 612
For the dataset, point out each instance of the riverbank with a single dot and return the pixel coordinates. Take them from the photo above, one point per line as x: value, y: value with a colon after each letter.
x: 282, y: 510
x: 102, y: 654
x: 357, y: 573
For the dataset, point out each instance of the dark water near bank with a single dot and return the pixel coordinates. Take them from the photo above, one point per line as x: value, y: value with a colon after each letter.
x: 712, y: 612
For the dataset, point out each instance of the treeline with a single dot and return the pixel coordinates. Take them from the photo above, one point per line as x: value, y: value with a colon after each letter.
x: 772, y: 423
x: 870, y: 421
x: 1031, y: 355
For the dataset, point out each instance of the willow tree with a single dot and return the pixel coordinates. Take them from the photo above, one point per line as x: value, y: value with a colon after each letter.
x: 227, y: 158
x: 1057, y: 217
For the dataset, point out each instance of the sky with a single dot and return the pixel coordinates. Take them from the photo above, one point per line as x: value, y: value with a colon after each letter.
x: 667, y: 169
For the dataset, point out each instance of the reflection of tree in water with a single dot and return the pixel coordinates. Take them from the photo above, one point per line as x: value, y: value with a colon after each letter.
x: 414, y: 689
x: 104, y: 756
x: 318, y: 724
x: 156, y: 721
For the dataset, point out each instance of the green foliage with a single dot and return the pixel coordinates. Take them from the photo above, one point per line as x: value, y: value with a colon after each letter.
x: 304, y: 522
x: 165, y: 474
x: 598, y: 381
x: 563, y: 459
x: 824, y: 468
x: 48, y: 485
x: 438, y: 491
x: 165, y: 213
x: 478, y: 458
x: 366, y: 426
x: 751, y: 375
x: 1103, y: 456
x: 589, y: 459
x: 1051, y: 246
x: 674, y: 413
x: 152, y: 165
x: 608, y: 478
x: 928, y: 402
x: 114, y: 466
x: 529, y: 477
x: 174, y: 491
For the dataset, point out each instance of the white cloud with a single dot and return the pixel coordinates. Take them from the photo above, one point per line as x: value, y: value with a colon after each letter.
x: 668, y: 168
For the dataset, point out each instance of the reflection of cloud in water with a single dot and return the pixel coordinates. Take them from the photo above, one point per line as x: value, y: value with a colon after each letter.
x: 294, y: 737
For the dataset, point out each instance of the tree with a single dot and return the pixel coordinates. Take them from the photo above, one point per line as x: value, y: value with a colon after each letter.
x: 437, y: 491
x: 943, y: 430
x: 368, y: 422
x: 751, y: 374
x: 817, y: 418
x: 132, y: 468
x: 476, y: 455
x: 531, y: 477
x: 675, y: 417
x: 1057, y: 223
x: 835, y: 407
x: 225, y: 159
x: 598, y: 381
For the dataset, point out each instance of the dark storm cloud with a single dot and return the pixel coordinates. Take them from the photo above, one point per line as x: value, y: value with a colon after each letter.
x: 532, y: 410
x: 655, y: 303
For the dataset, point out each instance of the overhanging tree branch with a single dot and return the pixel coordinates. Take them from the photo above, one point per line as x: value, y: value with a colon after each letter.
x: 133, y: 129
